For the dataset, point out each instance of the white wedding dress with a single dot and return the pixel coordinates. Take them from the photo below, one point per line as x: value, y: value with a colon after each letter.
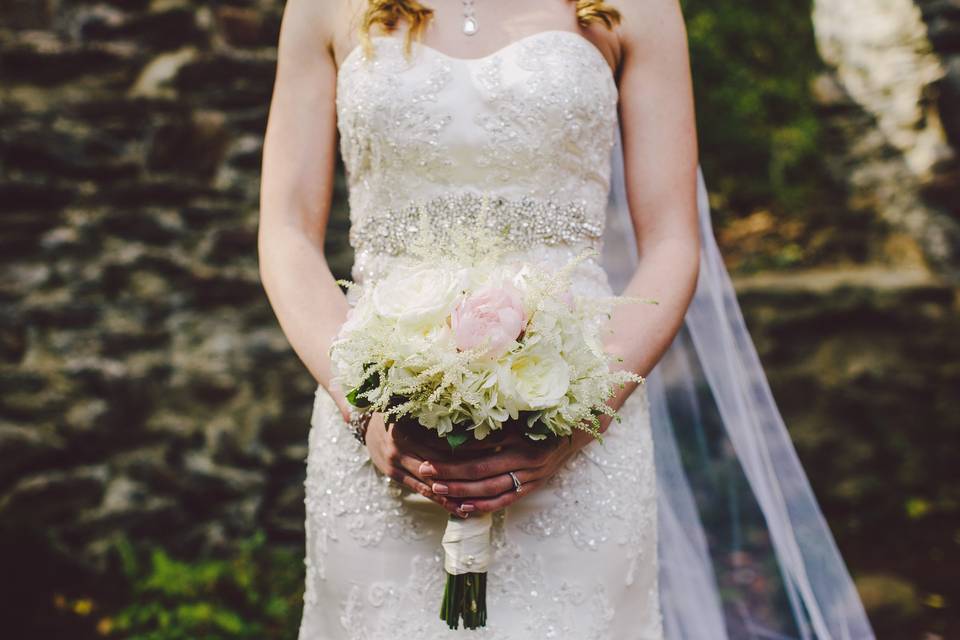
x: 532, y: 126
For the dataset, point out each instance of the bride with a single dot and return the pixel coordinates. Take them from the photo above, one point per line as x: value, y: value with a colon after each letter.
x: 693, y: 518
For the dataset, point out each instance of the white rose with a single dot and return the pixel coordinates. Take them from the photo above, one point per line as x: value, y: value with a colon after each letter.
x: 358, y: 319
x: 533, y: 379
x: 417, y: 296
x: 428, y: 340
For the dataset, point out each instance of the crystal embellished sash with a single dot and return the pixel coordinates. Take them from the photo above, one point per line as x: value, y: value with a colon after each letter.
x: 524, y: 221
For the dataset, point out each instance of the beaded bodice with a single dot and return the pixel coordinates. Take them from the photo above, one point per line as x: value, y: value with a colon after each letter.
x: 529, y: 127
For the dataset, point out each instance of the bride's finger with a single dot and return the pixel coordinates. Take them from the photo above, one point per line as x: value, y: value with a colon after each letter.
x: 475, y: 469
x: 413, y: 465
x: 487, y: 488
x: 502, y: 501
x: 415, y: 484
x: 416, y: 468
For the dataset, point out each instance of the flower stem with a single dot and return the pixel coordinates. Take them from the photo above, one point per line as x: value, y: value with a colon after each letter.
x: 465, y: 596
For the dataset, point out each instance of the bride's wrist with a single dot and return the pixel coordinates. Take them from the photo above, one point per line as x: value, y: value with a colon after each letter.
x: 340, y: 399
x: 582, y: 438
x: 605, y: 422
x: 620, y: 397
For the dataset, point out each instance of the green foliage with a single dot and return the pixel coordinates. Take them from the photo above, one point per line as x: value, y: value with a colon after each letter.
x: 371, y: 382
x: 752, y: 63
x: 763, y: 143
x: 456, y: 439
x: 256, y: 593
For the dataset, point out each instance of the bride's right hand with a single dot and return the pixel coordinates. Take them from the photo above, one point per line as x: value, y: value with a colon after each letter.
x: 399, y: 454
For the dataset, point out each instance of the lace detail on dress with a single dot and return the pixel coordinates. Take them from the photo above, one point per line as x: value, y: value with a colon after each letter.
x: 563, y: 609
x: 342, y: 483
x: 389, y: 123
x: 592, y: 514
x: 562, y: 107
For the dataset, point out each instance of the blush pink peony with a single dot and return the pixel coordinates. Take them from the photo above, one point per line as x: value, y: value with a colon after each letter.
x: 493, y: 316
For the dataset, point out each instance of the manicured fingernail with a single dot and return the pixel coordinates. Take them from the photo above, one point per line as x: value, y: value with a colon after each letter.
x: 427, y: 469
x: 467, y: 508
x: 440, y: 489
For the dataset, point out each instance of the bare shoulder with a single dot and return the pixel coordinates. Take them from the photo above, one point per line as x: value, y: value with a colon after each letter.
x: 344, y: 25
x: 646, y: 27
x: 649, y: 26
x: 318, y: 26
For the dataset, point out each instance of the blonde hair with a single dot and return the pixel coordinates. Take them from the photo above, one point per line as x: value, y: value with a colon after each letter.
x: 387, y: 14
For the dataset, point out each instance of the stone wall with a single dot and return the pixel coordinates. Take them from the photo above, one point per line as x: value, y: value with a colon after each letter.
x: 146, y: 386
x: 147, y: 389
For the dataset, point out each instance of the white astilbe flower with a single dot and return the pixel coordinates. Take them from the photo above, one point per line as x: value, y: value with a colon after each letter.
x: 397, y: 353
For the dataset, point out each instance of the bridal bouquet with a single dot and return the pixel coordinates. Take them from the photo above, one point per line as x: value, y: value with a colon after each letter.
x: 464, y: 341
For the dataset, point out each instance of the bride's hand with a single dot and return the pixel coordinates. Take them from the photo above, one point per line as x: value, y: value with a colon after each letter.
x: 398, y: 462
x: 483, y: 484
x: 399, y: 450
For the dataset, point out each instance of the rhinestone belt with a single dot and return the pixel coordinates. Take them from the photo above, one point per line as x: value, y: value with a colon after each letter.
x: 524, y: 221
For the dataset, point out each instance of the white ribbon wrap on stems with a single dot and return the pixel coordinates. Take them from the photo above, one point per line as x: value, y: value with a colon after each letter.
x: 466, y: 543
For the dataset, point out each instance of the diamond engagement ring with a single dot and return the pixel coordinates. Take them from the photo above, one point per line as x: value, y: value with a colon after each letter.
x: 516, y: 481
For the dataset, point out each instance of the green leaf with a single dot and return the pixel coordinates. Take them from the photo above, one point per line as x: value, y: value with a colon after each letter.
x: 370, y: 383
x: 352, y: 398
x: 456, y: 439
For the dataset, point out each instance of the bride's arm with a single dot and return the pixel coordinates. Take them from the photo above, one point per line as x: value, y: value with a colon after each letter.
x: 296, y: 191
x: 660, y: 167
x: 299, y: 154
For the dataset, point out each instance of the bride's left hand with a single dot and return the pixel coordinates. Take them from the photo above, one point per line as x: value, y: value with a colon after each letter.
x: 483, y: 484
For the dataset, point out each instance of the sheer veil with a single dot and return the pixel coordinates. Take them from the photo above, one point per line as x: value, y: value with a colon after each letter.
x: 744, y: 549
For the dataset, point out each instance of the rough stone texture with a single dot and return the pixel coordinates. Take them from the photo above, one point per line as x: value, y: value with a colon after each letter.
x: 896, y: 70
x: 145, y: 384
x: 147, y: 389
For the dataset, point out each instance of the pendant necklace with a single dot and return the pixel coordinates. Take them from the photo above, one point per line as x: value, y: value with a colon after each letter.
x: 470, y: 25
